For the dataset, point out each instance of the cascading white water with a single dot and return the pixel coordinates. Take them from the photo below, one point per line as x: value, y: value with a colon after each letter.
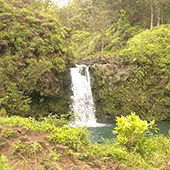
x: 82, y: 99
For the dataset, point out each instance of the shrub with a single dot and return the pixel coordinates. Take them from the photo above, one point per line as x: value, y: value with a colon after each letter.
x: 9, y: 133
x: 147, y: 90
x: 26, y: 149
x: 130, y: 130
x: 4, y: 163
x: 35, y: 52
x: 146, y: 147
x: 47, y: 124
x: 76, y: 138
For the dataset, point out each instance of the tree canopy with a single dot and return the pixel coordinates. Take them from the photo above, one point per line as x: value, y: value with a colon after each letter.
x: 39, y: 41
x: 34, y: 52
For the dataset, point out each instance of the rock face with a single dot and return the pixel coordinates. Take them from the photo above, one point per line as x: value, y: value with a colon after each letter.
x: 120, y: 87
x: 106, y: 76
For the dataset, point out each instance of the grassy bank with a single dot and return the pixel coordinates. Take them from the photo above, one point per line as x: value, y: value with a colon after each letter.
x: 50, y: 144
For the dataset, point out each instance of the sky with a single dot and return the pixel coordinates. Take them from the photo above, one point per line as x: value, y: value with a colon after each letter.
x: 61, y: 3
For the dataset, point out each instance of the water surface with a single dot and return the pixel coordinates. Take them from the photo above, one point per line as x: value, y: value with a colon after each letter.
x: 106, y: 132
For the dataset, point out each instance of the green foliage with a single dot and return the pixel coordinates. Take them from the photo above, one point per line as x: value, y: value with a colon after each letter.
x: 154, y: 150
x: 75, y: 138
x: 42, y: 106
x: 143, y: 78
x: 26, y: 149
x: 2, y: 112
x: 135, y: 161
x: 4, y: 163
x: 8, y: 133
x: 147, y: 152
x: 150, y: 46
x: 162, y: 142
x: 148, y: 55
x: 35, y: 52
x: 85, y: 43
x: 120, y: 34
x: 147, y: 155
x: 130, y: 130
x: 146, y: 147
x: 54, y: 156
x: 14, y: 101
x: 47, y: 124
x: 134, y: 147
x: 58, y: 121
x: 112, y: 150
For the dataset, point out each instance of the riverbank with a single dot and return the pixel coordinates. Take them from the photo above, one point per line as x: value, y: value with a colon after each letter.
x: 25, y: 144
x: 50, y: 144
x: 24, y: 149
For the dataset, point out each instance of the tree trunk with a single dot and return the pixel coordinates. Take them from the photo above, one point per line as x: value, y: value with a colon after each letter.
x: 152, y: 15
x: 162, y: 19
x: 158, y: 16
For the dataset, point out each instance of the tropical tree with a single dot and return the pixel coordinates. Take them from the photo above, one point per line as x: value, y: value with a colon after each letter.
x: 34, y: 50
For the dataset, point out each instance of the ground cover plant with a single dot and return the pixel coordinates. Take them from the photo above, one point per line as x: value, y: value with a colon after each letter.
x: 28, y: 140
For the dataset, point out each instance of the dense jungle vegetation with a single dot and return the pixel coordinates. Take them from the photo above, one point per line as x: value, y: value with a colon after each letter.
x: 127, y: 44
x: 39, y: 42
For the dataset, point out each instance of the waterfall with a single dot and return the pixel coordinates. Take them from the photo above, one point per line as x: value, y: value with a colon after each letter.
x: 82, y: 99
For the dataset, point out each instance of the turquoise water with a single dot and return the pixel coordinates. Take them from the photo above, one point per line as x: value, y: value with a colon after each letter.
x: 164, y: 127
x: 97, y: 134
x: 105, y: 132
